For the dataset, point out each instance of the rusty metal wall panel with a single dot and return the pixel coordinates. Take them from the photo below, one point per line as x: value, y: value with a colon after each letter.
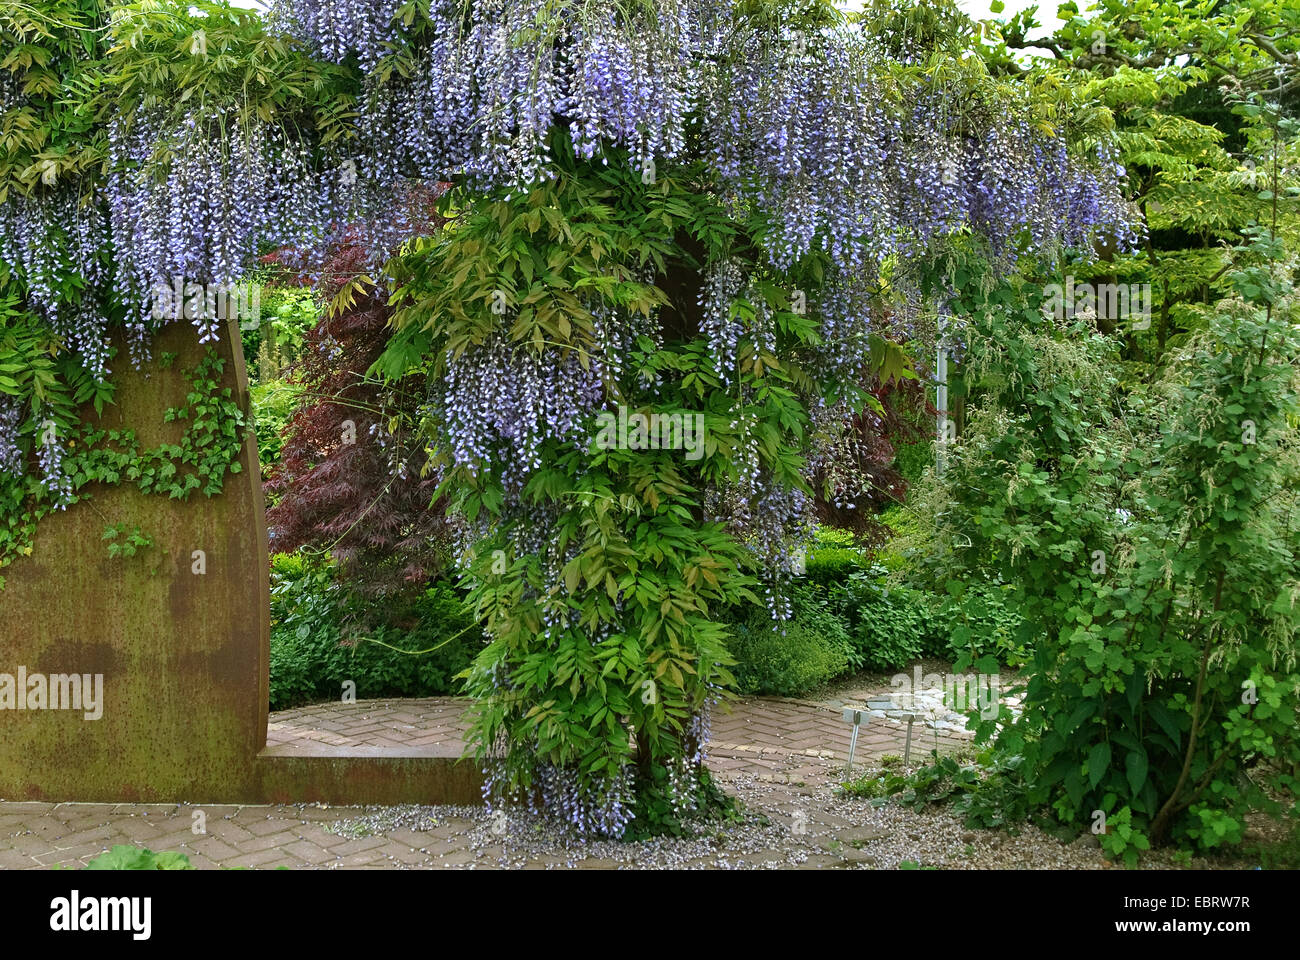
x: 184, y: 657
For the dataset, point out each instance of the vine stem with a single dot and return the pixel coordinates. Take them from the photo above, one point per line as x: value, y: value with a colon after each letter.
x: 1160, y: 824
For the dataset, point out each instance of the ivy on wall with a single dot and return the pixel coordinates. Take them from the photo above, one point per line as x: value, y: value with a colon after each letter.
x: 207, y: 452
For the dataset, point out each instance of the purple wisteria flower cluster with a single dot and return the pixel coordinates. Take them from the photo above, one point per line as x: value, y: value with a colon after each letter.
x: 220, y: 197
x: 11, y: 418
x: 596, y: 808
x: 834, y: 453
x: 497, y: 75
x: 501, y: 402
x: 812, y: 129
x: 342, y: 28
x: 58, y: 243
x: 53, y: 477
x: 839, y: 165
x: 718, y: 322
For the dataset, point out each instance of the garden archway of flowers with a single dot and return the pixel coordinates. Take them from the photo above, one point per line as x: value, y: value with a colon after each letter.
x: 810, y: 172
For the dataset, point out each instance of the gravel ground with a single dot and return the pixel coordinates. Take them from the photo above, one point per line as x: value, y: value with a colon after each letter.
x: 783, y: 826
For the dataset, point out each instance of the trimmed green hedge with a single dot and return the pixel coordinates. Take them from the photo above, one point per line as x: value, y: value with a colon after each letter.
x: 787, y: 659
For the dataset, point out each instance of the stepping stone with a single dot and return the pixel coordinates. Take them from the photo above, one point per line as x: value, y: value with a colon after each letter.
x: 856, y: 836
x: 851, y: 855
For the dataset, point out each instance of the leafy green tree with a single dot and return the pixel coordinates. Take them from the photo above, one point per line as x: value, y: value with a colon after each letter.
x: 1183, y: 81
x: 1152, y: 534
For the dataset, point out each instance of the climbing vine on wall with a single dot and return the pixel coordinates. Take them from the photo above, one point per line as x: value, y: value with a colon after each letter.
x: 206, y: 454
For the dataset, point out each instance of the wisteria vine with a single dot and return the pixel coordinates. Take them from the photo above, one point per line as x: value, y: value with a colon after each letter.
x: 841, y: 150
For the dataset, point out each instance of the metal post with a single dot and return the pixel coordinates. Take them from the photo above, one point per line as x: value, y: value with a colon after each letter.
x: 941, y: 396
x: 854, y: 717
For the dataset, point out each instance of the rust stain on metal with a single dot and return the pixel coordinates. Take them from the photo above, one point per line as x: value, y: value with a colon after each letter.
x: 185, y: 657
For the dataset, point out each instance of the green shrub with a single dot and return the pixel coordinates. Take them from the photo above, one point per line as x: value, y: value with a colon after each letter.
x: 892, y: 554
x: 912, y: 457
x: 981, y: 618
x: 274, y: 403
x: 273, y: 340
x: 833, y: 557
x: 827, y: 566
x: 882, y: 625
x: 323, y: 636
x: 790, y: 658
x: 987, y: 793
x: 1151, y: 533
x: 889, y: 626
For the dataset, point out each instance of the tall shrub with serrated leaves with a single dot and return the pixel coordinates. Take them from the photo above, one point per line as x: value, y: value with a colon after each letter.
x: 1153, y: 540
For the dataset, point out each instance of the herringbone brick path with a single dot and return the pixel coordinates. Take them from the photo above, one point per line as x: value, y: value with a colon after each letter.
x: 757, y: 735
x: 804, y: 741
x: 782, y: 741
x: 372, y: 723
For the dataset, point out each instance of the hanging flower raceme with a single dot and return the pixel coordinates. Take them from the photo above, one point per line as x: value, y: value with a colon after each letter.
x: 501, y: 403
x: 11, y: 455
x: 814, y: 128
x: 203, y: 221
x: 50, y: 239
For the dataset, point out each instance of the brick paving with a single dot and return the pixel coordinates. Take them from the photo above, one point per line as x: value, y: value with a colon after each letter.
x: 756, y: 736
x: 789, y: 745
x: 371, y: 723
x: 800, y: 740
